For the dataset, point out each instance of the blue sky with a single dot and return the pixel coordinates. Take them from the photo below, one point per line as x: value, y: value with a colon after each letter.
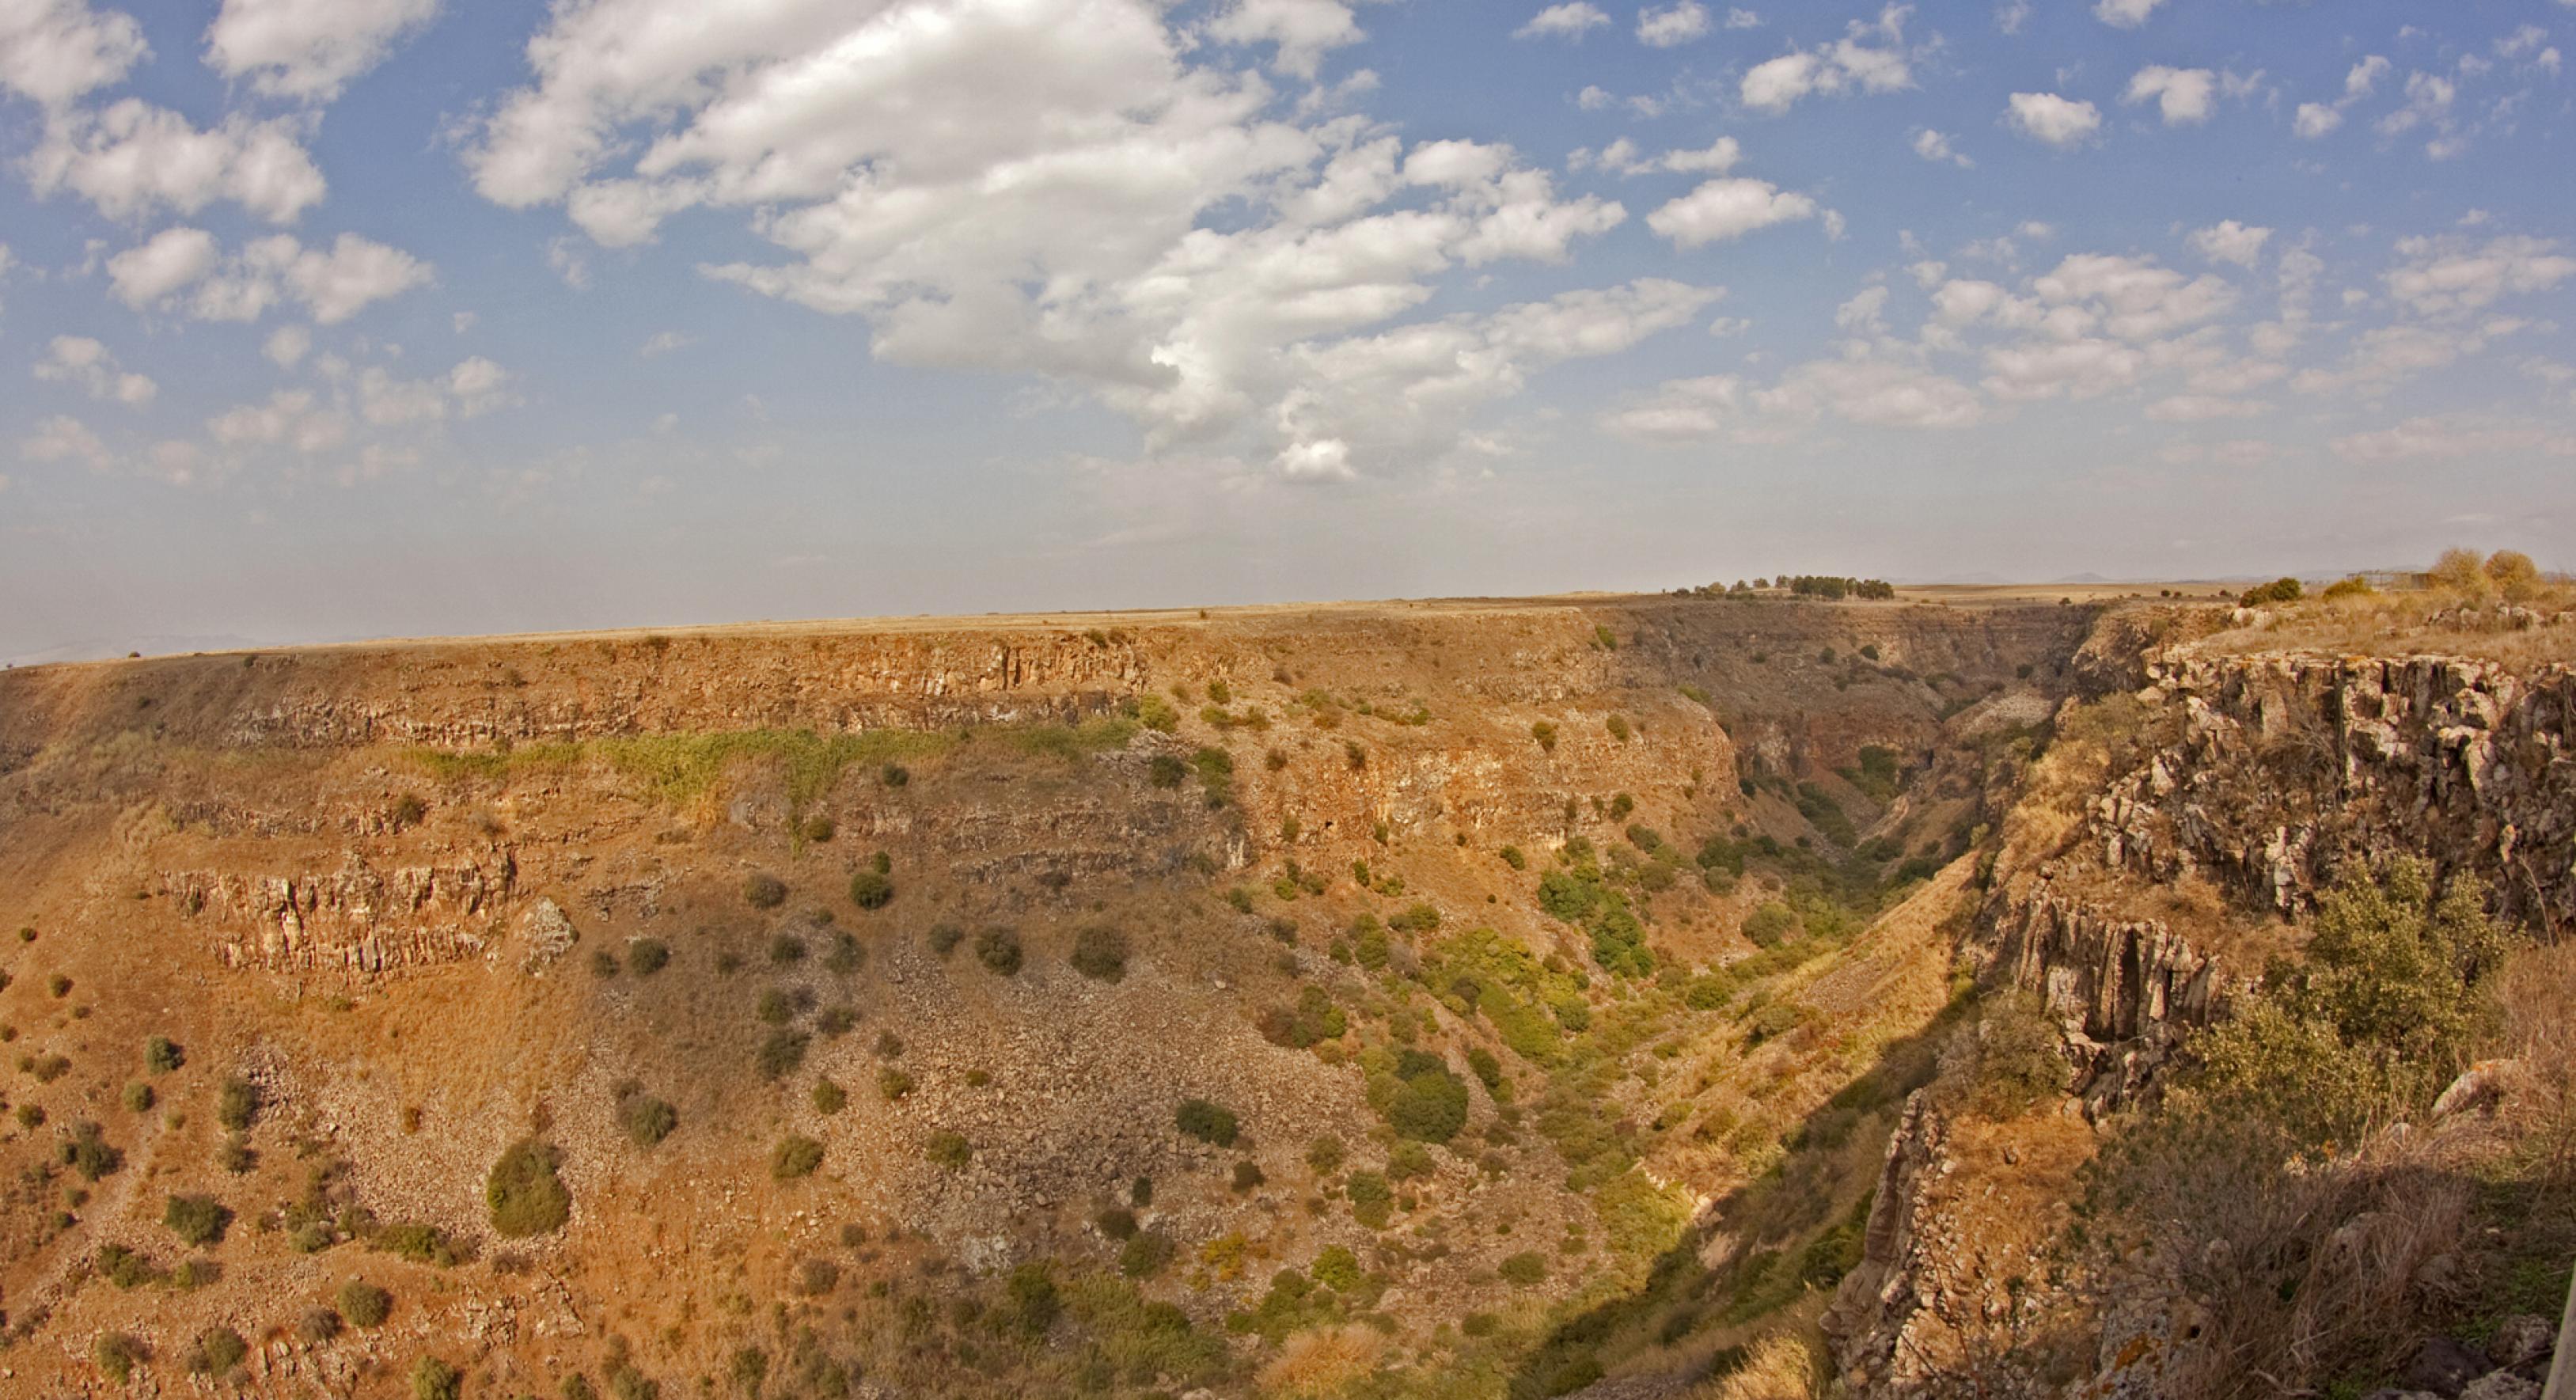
x: 338, y: 318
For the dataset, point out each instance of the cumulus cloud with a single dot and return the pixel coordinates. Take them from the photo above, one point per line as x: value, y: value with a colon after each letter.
x: 1936, y: 148
x: 1870, y: 57
x: 2314, y: 120
x: 2124, y: 14
x: 1680, y: 410
x: 63, y: 438
x: 1874, y: 392
x: 1623, y: 157
x: 1072, y: 189
x: 1570, y: 21
x: 1730, y: 208
x: 308, y: 49
x: 333, y: 284
x: 1673, y: 25
x: 287, y: 346
x: 1303, y: 30
x: 662, y: 343
x: 473, y: 388
x: 2053, y: 120
x: 131, y: 159
x: 290, y: 418
x: 2447, y: 275
x: 2230, y: 242
x: 2184, y: 96
x: 81, y: 361
x: 55, y: 51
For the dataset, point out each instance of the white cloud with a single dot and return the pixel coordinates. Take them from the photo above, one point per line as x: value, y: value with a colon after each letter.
x: 1571, y: 21
x: 2011, y: 15
x: 2136, y: 299
x: 287, y: 345
x: 2230, y: 241
x: 1870, y: 57
x: 1681, y: 410
x: 1623, y: 157
x: 1935, y: 147
x: 2365, y: 77
x: 1675, y: 24
x: 2314, y: 120
x: 2446, y: 275
x: 1863, y: 314
x: 479, y: 386
x: 2054, y: 120
x: 290, y: 418
x: 1743, y: 19
x: 54, y: 51
x: 334, y: 284
x: 662, y: 343
x: 2387, y: 355
x: 1877, y: 393
x: 1730, y: 208
x: 133, y: 158
x: 2124, y: 14
x: 473, y: 388
x: 2183, y: 95
x: 168, y: 261
x: 79, y: 360
x: 1593, y: 98
x: 62, y: 438
x: 1070, y: 189
x: 2444, y: 439
x: 1304, y: 30
x: 308, y: 49
x: 2047, y: 369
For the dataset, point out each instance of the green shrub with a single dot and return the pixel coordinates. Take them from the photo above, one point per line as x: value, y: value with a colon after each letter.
x: 2018, y: 1064
x: 1407, y: 1161
x: 1523, y: 1270
x: 1312, y: 1020
x: 524, y: 1193
x: 1207, y: 1122
x: 775, y: 1007
x: 433, y: 1379
x: 950, y: 1150
x: 1337, y: 1269
x: 893, y: 1084
x: 1618, y: 727
x: 795, y: 1156
x: 645, y: 1119
x: 787, y: 950
x: 1325, y: 1155
x: 782, y: 1053
x: 1035, y: 1304
x: 1247, y: 1175
x: 125, y: 1268
x: 1145, y: 1254
x: 1100, y: 953
x: 848, y: 954
x: 1771, y: 925
x: 88, y: 1153
x: 1166, y: 771
x: 1116, y: 1222
x: 998, y: 949
x: 236, y: 1156
x: 196, y: 1220
x: 871, y: 889
x: 829, y: 1098
x: 2280, y: 590
x: 236, y: 1103
x: 161, y: 1055
x: 364, y: 1304
x: 1429, y: 1103
x: 944, y: 938
x: 217, y: 1351
x: 648, y: 956
x: 116, y: 1353
x: 1372, y: 1200
x: 1157, y: 714
x: 764, y: 891
x: 318, y: 1325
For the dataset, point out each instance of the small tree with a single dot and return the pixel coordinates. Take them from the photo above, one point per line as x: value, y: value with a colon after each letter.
x: 524, y: 1193
x: 364, y: 1304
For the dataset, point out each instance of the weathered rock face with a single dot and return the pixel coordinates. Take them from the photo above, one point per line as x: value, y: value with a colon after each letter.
x: 2290, y: 767
x: 2124, y: 990
x: 355, y: 918
x: 1875, y: 1309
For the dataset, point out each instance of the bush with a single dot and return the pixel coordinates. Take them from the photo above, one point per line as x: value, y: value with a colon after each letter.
x: 848, y: 955
x: 1512, y: 857
x: 217, y: 1351
x: 364, y: 1304
x: 786, y: 950
x: 236, y: 1103
x: 1337, y: 1269
x: 1145, y: 1254
x: 1325, y: 1155
x: 1430, y: 1103
x: 2281, y: 590
x: 1372, y: 1200
x: 1035, y: 1304
x: 764, y: 891
x: 870, y: 889
x: 317, y: 1325
x: 88, y: 1153
x: 829, y: 1098
x: 524, y: 1194
x: 196, y: 1220
x: 125, y: 1268
x: 1248, y: 1174
x: 795, y: 1156
x: 116, y: 1353
x: 645, y: 1119
x: 1207, y: 1122
x: 433, y: 1379
x: 998, y: 949
x: 944, y: 938
x: 1618, y: 727
x: 421, y: 1244
x: 603, y: 963
x: 1524, y: 1269
x: 648, y: 956
x: 893, y: 1083
x: 1545, y: 734
x: 950, y: 1150
x: 1100, y: 953
x: 161, y: 1055
x: 1770, y: 925
x: 1116, y: 1222
x: 2018, y: 1064
x: 1166, y: 771
x: 782, y: 1053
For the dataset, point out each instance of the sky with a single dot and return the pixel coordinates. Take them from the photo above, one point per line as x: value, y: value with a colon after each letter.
x: 327, y: 319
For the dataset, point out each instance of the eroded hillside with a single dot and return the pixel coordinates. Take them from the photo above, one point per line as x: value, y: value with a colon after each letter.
x: 1258, y: 1002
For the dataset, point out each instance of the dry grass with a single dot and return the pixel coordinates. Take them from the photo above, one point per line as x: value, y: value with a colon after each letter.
x: 1321, y: 1362
x: 1781, y: 1367
x: 2404, y: 623
x: 2537, y: 993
